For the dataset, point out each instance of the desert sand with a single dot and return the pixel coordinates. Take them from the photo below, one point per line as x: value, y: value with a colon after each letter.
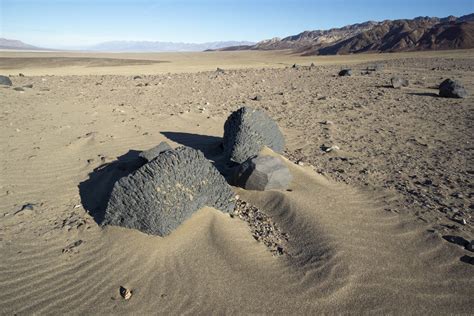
x: 378, y: 226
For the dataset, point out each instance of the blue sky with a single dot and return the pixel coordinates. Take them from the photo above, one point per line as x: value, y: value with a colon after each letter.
x: 68, y: 23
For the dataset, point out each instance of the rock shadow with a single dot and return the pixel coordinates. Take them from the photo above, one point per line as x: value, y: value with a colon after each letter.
x: 95, y: 191
x: 467, y: 259
x: 425, y: 94
x: 210, y: 146
x: 460, y: 241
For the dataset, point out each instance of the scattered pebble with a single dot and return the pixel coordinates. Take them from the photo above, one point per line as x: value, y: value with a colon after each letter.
x: 329, y: 149
x: 26, y: 207
x: 71, y: 247
x: 262, y: 227
x: 125, y: 293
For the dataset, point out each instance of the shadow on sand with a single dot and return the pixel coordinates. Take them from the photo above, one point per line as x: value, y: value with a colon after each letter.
x: 95, y: 191
x: 425, y: 94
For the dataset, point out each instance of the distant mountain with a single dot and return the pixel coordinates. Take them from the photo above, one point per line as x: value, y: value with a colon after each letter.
x: 14, y: 44
x: 422, y: 33
x: 149, y: 46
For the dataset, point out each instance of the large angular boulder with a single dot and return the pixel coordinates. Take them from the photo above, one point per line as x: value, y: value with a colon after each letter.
x: 150, y: 154
x: 398, y: 82
x: 246, y: 131
x: 452, y: 89
x: 262, y: 173
x: 4, y: 80
x: 163, y: 193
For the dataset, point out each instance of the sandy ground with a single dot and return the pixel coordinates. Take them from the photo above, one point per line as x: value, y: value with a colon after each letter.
x: 378, y: 226
x: 77, y: 63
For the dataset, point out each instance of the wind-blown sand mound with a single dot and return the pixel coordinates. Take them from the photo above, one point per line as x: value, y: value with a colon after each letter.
x: 344, y: 253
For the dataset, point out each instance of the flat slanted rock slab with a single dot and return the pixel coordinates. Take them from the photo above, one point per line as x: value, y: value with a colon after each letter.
x: 246, y: 131
x: 452, y: 89
x: 152, y: 153
x: 263, y: 173
x: 163, y: 193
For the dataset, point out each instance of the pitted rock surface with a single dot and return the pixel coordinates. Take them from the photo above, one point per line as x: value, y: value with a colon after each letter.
x: 163, y: 193
x: 263, y: 173
x: 152, y: 153
x: 247, y: 130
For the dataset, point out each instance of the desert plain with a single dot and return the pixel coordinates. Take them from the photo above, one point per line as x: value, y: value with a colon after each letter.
x: 381, y: 224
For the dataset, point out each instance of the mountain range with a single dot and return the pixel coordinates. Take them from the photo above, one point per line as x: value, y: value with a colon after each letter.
x: 421, y: 33
x: 17, y: 45
x: 153, y: 46
x: 132, y: 46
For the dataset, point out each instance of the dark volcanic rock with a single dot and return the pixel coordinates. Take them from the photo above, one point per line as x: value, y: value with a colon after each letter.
x: 152, y: 153
x: 246, y: 131
x: 263, y: 173
x: 4, y: 80
x: 345, y: 72
x: 397, y: 82
x: 452, y: 89
x: 163, y: 193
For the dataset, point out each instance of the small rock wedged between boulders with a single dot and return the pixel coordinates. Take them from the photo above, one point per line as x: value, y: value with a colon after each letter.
x: 4, y: 80
x: 452, y: 89
x: 152, y: 153
x: 246, y: 131
x: 345, y: 72
x: 398, y: 82
x: 263, y: 173
x: 162, y: 194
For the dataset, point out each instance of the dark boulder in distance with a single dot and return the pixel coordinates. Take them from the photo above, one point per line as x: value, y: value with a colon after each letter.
x: 4, y: 80
x: 345, y: 72
x: 452, y: 89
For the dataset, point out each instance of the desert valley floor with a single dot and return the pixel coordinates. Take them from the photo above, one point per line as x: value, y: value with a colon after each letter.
x: 379, y: 225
